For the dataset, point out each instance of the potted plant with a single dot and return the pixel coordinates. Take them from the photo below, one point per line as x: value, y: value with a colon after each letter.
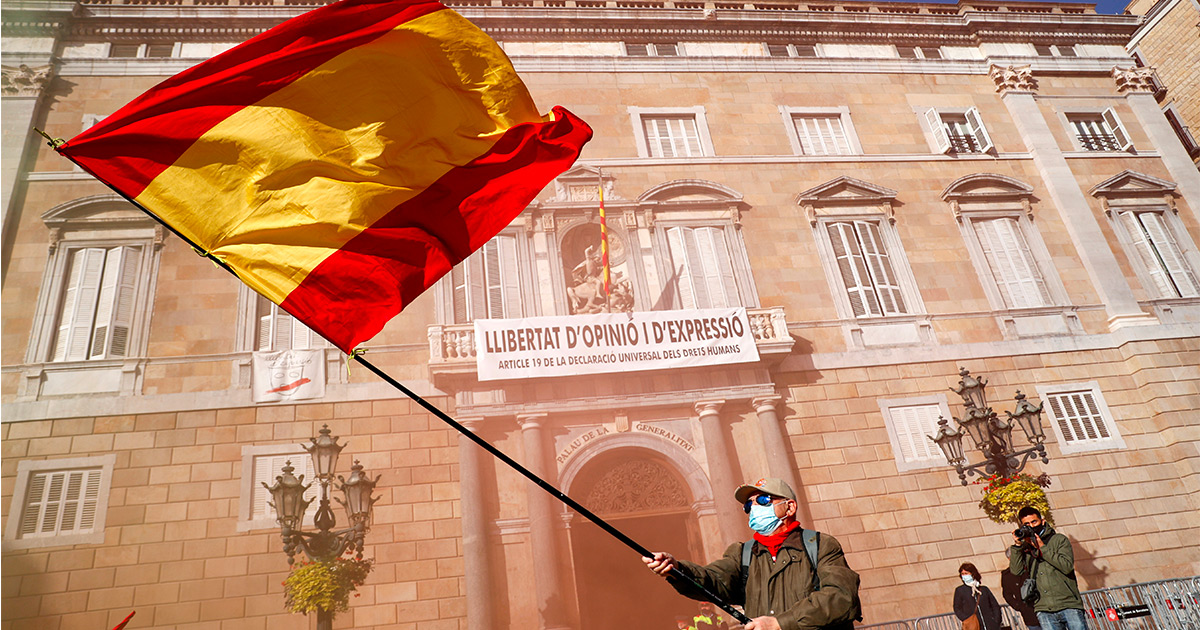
x: 1003, y: 497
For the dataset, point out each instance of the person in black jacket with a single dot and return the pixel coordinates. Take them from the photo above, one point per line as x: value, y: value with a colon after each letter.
x: 973, y: 598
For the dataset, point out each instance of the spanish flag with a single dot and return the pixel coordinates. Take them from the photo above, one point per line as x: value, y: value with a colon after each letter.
x: 341, y: 162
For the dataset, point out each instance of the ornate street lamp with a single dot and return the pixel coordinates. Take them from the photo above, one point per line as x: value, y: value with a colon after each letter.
x: 991, y: 434
x: 325, y: 544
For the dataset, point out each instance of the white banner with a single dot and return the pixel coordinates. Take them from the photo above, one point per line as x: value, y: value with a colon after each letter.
x: 288, y: 375
x: 596, y: 344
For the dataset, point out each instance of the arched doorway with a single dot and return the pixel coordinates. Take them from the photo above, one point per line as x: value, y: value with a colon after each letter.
x: 640, y: 493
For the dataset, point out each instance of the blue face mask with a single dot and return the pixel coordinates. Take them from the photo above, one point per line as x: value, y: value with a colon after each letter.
x: 763, y: 519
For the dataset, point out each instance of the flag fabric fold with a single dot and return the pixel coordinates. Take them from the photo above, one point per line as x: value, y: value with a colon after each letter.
x: 341, y: 162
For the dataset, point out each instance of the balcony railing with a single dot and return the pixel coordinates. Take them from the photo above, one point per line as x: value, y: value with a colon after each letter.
x: 452, y: 346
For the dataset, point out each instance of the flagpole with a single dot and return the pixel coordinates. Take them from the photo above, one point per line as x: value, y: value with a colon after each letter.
x: 484, y: 444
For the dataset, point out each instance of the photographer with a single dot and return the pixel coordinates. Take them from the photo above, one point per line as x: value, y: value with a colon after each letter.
x: 1047, y: 557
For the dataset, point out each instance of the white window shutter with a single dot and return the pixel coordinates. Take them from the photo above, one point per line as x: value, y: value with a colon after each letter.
x: 476, y: 290
x: 1013, y: 267
x: 509, y: 277
x: 79, y: 304
x: 940, y: 138
x: 493, y: 283
x: 1118, y: 130
x: 726, y: 286
x: 266, y: 469
x: 35, y: 503
x: 266, y: 325
x: 855, y: 278
x: 1145, y: 252
x: 975, y: 124
x: 283, y: 330
x: 682, y: 268
x: 303, y: 337
x: 879, y: 265
x: 912, y: 425
x: 1182, y: 279
x: 458, y: 293
x: 114, y: 309
x: 1078, y: 416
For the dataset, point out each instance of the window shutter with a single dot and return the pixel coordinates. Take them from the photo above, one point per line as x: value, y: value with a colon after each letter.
x: 977, y: 129
x: 880, y: 267
x: 656, y: 136
x: 1117, y: 129
x: 114, y: 309
x: 1012, y: 264
x: 1182, y: 279
x: 266, y: 468
x: 476, y: 290
x: 35, y: 502
x: 848, y: 254
x: 91, y: 500
x: 302, y: 336
x: 493, y: 283
x: 265, y: 324
x: 511, y: 289
x: 1078, y: 416
x: 79, y: 304
x: 681, y: 266
x: 458, y: 293
x: 730, y: 296
x: 940, y: 138
x: 912, y: 425
x: 1145, y: 252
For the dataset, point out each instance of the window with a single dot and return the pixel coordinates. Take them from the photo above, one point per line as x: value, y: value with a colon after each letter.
x: 672, y: 136
x: 666, y: 50
x: 278, y: 330
x: 130, y: 51
x: 159, y: 50
x: 94, y: 301
x: 821, y: 135
x: 96, y: 310
x: 486, y: 285
x: 1181, y: 130
x: 1159, y: 254
x: 262, y: 464
x: 1080, y: 418
x: 124, y: 50
x: 701, y: 266
x: 791, y: 50
x: 821, y: 131
x: 1061, y: 50
x: 1011, y: 262
x: 778, y: 50
x: 910, y: 423
x: 637, y: 49
x: 865, y: 268
x: 958, y: 132
x: 1099, y: 132
x: 59, y: 502
x: 671, y: 133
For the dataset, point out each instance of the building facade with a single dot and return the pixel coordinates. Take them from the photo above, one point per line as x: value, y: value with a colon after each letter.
x: 1169, y: 40
x: 885, y: 192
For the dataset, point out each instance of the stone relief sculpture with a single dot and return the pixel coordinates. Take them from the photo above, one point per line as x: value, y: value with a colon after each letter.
x: 586, y: 291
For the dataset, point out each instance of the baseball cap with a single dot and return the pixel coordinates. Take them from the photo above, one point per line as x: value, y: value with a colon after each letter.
x: 766, y: 485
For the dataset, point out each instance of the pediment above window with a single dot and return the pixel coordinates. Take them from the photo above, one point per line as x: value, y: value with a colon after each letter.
x: 1131, y: 186
x: 988, y: 191
x: 690, y: 191
x: 581, y: 184
x: 847, y: 194
x: 110, y: 210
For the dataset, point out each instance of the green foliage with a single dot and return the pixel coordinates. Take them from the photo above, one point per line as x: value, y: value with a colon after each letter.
x: 314, y: 586
x: 1003, y: 497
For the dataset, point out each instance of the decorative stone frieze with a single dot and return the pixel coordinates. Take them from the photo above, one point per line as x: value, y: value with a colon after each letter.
x: 25, y: 81
x: 1135, y: 80
x: 1013, y: 78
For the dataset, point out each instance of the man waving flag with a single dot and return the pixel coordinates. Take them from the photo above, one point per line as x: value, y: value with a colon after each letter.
x: 341, y: 162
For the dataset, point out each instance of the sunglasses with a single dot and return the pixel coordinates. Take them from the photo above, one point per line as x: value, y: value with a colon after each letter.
x: 761, y: 499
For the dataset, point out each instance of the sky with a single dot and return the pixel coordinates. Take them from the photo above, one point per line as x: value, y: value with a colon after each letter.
x: 1115, y: 7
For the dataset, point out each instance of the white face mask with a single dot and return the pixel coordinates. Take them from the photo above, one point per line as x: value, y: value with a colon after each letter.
x: 968, y: 580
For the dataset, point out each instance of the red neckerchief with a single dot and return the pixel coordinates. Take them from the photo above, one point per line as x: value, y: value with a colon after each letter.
x: 775, y: 540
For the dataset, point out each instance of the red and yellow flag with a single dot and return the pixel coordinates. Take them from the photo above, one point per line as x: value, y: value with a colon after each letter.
x: 341, y: 162
x: 606, y: 273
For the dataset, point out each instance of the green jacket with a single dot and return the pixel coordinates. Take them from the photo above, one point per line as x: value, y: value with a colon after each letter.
x: 783, y: 588
x: 1055, y: 573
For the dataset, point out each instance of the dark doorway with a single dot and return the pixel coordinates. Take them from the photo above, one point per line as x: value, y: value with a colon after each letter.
x: 615, y: 589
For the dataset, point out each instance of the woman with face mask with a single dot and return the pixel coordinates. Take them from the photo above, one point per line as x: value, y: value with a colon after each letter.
x: 974, y: 604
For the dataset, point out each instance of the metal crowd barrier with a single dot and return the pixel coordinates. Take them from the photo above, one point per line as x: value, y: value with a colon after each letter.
x: 1161, y: 605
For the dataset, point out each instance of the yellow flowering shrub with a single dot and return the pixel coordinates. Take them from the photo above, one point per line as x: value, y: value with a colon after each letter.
x: 314, y: 586
x: 1003, y: 497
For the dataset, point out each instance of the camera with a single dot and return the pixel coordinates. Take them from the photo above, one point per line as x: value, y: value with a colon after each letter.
x: 1024, y: 535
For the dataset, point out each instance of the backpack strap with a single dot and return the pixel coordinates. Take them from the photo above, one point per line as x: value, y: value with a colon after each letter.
x: 812, y: 540
x: 747, y: 547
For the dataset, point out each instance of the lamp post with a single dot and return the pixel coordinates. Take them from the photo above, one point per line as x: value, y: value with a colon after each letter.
x: 325, y: 544
x: 991, y: 434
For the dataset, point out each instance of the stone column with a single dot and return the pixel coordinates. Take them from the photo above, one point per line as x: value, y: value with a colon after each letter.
x: 542, y: 531
x: 472, y: 462
x: 1137, y: 84
x: 22, y: 91
x: 779, y: 450
x: 1017, y: 87
x: 729, y: 517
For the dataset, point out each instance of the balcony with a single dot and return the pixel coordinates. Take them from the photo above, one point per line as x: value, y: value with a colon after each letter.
x: 452, y: 346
